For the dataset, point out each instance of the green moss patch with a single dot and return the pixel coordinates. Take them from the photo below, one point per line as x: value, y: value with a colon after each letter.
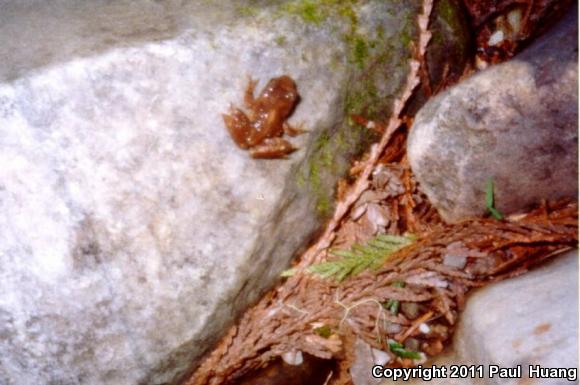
x: 317, y: 11
x: 378, y: 65
x: 330, y: 157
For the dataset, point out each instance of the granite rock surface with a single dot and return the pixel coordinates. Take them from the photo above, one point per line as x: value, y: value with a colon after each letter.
x: 528, y: 320
x: 515, y: 123
x: 132, y: 229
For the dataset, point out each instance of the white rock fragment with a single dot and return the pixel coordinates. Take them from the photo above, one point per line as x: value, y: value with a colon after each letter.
x: 424, y: 328
x: 496, y: 38
x: 377, y: 215
x: 392, y: 328
x: 294, y: 358
x: 380, y: 357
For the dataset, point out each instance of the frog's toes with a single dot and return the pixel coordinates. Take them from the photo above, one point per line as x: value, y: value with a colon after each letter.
x: 272, y: 148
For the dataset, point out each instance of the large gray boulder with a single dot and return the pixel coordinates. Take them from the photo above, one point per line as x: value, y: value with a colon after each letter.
x: 132, y: 229
x: 515, y: 123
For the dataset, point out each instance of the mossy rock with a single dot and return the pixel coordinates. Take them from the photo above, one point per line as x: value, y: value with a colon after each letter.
x: 375, y: 37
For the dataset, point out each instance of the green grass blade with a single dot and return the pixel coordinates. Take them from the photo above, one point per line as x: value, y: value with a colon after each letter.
x: 489, y: 194
x: 494, y: 213
x: 490, y: 200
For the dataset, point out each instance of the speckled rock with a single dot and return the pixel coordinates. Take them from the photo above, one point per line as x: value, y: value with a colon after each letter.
x: 132, y: 230
x: 516, y: 123
x: 527, y: 320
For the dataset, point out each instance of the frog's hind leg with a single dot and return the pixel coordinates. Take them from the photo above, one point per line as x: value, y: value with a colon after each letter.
x: 294, y: 131
x: 237, y: 124
x: 272, y: 148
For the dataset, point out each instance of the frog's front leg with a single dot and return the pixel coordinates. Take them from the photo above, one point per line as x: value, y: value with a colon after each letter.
x: 249, y: 100
x: 272, y: 148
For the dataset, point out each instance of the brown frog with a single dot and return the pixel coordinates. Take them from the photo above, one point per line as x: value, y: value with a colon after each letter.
x: 261, y: 130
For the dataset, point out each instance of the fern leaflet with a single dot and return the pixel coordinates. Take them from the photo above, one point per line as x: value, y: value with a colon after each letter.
x: 360, y: 257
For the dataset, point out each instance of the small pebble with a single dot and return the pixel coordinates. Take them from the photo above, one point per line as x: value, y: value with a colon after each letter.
x: 380, y: 357
x: 293, y: 358
x: 496, y: 38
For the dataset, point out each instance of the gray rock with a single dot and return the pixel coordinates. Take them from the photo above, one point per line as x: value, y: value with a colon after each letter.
x: 132, y: 230
x: 515, y: 123
x: 528, y: 320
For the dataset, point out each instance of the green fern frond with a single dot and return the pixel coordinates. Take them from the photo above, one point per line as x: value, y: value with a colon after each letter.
x: 360, y: 257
